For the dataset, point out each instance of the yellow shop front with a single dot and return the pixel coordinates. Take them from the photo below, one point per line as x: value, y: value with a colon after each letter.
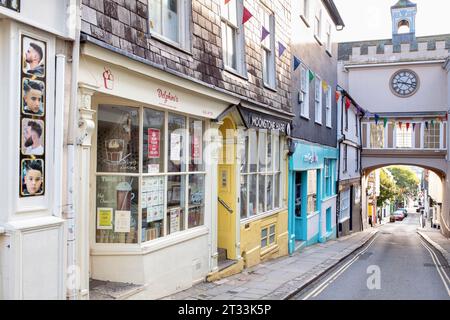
x: 252, y: 189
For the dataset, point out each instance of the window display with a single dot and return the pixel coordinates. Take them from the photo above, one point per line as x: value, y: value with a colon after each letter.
x: 160, y: 201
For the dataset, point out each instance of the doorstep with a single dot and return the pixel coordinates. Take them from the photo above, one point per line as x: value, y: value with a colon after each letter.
x: 107, y: 290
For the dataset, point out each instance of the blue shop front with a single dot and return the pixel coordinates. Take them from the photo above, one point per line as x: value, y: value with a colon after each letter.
x: 312, y: 194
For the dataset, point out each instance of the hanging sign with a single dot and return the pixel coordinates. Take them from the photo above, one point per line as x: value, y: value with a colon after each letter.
x: 254, y: 119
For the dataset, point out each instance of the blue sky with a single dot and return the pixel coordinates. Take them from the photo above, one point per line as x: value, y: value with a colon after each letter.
x: 371, y: 19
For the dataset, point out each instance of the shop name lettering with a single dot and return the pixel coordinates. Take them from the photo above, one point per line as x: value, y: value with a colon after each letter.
x: 167, y: 96
x: 311, y: 158
x: 267, y: 124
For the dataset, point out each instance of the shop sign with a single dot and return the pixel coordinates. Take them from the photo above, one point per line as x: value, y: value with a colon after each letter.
x: 259, y: 120
x: 166, y: 97
x: 154, y: 137
x: 311, y: 158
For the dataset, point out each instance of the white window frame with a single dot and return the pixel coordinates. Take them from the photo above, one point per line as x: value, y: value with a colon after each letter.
x: 239, y: 38
x: 305, y: 11
x: 328, y: 108
x: 304, y: 89
x: 184, y: 34
x: 318, y: 100
x: 406, y: 135
x: 268, y: 51
x: 328, y: 43
x: 314, y: 192
x: 345, y: 159
x: 318, y: 26
x: 357, y: 160
x: 344, y: 207
x: 427, y: 136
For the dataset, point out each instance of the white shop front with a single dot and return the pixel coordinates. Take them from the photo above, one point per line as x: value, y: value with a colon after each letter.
x: 150, y: 192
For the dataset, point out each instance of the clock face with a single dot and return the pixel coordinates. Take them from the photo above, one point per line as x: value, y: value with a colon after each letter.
x: 404, y: 83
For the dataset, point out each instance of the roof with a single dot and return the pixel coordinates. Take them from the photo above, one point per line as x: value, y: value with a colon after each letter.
x: 334, y: 12
x: 404, y: 4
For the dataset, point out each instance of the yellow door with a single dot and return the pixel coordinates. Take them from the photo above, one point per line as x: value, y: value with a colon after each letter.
x: 227, y: 190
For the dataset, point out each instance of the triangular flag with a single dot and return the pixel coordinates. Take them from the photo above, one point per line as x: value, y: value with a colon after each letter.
x: 426, y: 124
x: 281, y: 49
x: 385, y: 121
x: 264, y: 33
x: 446, y: 116
x: 414, y: 126
x: 226, y: 1
x: 311, y: 76
x: 348, y: 103
x: 432, y: 122
x: 324, y: 86
x: 400, y: 124
x: 377, y: 117
x: 246, y: 15
x: 407, y: 126
x: 337, y: 95
x: 297, y: 63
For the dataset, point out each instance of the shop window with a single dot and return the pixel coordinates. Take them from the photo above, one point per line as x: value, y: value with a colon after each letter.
x: 432, y: 136
x: 344, y: 213
x: 171, y: 190
x: 268, y: 49
x: 261, y: 181
x: 233, y: 35
x: 304, y: 92
x: 327, y: 177
x: 168, y: 20
x: 268, y: 236
x: 312, y: 192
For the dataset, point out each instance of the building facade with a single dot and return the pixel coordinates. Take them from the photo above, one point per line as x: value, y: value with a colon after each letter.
x: 407, y: 125
x: 183, y: 167
x: 35, y: 51
x: 314, y: 156
x: 349, y: 212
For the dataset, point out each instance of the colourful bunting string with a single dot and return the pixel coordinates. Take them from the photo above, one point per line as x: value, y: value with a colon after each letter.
x: 264, y: 33
x: 281, y: 49
x: 311, y: 76
x: 297, y: 63
x: 246, y: 15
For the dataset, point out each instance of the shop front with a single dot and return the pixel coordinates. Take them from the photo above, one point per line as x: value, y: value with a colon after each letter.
x: 148, y: 186
x: 252, y: 189
x: 350, y: 209
x: 312, y: 194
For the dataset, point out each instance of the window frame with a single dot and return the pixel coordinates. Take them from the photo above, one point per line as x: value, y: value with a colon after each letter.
x: 404, y: 138
x: 318, y: 115
x: 305, y: 14
x: 344, y: 206
x: 427, y: 136
x: 304, y: 89
x: 328, y: 43
x: 269, y: 234
x: 315, y: 192
x: 268, y: 52
x: 328, y: 107
x: 345, y: 159
x: 318, y: 26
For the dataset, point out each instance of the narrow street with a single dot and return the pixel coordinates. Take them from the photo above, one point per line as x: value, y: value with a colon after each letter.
x: 408, y: 267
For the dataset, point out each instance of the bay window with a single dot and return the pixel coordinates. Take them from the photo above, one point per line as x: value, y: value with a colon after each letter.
x: 147, y: 188
x: 261, y: 182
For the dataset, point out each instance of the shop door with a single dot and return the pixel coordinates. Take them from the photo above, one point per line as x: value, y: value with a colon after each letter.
x: 227, y: 192
x: 300, y: 203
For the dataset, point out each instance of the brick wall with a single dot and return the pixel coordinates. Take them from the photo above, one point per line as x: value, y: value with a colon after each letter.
x: 123, y: 24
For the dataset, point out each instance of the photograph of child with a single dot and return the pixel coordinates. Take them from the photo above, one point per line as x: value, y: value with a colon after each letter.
x: 33, y: 57
x: 32, y: 137
x: 33, y: 97
x: 32, y: 177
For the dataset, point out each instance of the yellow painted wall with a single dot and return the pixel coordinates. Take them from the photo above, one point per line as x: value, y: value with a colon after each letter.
x: 251, y: 239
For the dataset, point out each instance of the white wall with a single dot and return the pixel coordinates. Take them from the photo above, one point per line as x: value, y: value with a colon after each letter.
x: 435, y: 186
x: 352, y: 171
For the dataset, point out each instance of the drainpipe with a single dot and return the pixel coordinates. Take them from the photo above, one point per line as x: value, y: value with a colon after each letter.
x: 70, y: 213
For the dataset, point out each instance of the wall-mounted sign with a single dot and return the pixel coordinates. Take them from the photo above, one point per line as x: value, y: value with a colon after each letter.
x: 166, y: 97
x: 254, y: 119
x: 311, y: 157
x: 32, y: 113
x: 11, y: 4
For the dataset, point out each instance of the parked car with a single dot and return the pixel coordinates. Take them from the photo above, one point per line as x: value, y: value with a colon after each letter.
x: 405, y: 211
x: 399, y: 215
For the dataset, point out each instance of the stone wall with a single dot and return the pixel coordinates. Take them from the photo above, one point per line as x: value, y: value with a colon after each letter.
x: 123, y: 24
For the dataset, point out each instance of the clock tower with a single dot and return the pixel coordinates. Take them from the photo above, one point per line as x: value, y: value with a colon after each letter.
x: 404, y: 22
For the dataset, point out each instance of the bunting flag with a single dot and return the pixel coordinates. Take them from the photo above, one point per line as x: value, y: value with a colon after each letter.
x: 226, y: 1
x: 337, y: 95
x: 414, y: 126
x: 385, y: 121
x: 446, y: 116
x: 281, y: 49
x: 400, y: 124
x: 246, y: 15
x: 377, y: 117
x: 264, y: 33
x: 407, y: 126
x: 348, y: 103
x: 297, y: 63
x: 426, y: 124
x: 311, y: 76
x: 432, y: 122
x: 324, y: 86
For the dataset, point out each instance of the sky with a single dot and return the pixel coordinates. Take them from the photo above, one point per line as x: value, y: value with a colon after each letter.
x: 371, y: 19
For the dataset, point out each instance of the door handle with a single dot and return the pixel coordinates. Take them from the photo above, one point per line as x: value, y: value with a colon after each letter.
x: 225, y: 205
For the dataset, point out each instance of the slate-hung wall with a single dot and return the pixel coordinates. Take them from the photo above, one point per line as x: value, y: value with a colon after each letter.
x: 124, y: 24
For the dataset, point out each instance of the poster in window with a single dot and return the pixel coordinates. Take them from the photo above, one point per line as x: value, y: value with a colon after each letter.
x: 122, y: 221
x: 154, y: 136
x: 175, y: 216
x: 196, y: 149
x: 104, y: 218
x: 175, y: 147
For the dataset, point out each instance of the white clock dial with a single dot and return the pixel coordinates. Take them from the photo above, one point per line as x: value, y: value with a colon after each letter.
x: 404, y: 83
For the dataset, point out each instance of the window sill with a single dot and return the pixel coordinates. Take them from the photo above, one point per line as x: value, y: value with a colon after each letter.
x: 235, y: 73
x: 329, y: 126
x: 269, y: 87
x: 319, y: 123
x: 262, y: 215
x: 269, y: 249
x: 305, y: 117
x: 170, y: 43
x: 312, y: 215
x: 305, y: 20
x: 318, y: 40
x: 328, y: 53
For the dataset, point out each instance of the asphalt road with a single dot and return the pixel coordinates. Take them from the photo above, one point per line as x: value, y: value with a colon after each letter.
x: 396, y: 265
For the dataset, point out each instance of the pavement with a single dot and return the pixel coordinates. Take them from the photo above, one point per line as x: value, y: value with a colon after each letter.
x: 281, y: 278
x: 435, y: 238
x: 397, y: 265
